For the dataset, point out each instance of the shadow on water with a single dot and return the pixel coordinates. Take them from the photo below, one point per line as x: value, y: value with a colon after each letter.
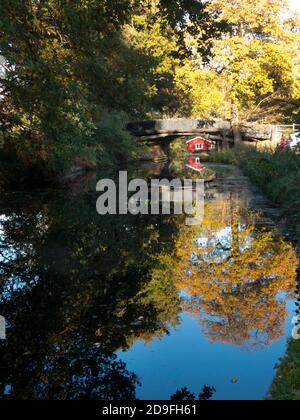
x: 80, y: 291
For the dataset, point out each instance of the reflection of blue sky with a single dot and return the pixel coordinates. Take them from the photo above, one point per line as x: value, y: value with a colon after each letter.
x: 192, y: 361
x: 186, y: 357
x: 9, y: 253
x: 3, y: 218
x: 14, y: 285
x: 7, y: 390
x: 219, y: 245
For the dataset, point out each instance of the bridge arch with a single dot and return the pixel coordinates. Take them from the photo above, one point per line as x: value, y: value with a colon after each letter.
x: 160, y: 133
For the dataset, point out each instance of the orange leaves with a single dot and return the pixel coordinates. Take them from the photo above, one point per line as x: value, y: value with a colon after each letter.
x: 233, y: 273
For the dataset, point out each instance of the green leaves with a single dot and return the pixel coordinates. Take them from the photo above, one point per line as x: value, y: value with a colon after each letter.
x: 68, y: 63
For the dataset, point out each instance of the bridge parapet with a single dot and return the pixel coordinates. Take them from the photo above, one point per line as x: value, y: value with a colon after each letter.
x: 179, y: 126
x: 217, y: 130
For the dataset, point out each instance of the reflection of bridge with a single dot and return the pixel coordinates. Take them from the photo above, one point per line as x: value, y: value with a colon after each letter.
x: 160, y: 133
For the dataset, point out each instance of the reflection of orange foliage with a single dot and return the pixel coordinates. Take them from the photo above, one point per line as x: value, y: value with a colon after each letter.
x: 237, y: 298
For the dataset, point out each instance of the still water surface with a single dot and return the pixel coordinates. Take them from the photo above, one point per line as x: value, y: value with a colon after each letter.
x: 140, y: 306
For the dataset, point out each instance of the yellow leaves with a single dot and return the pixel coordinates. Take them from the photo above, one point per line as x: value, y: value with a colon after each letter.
x: 235, y: 293
x: 259, y: 55
x: 204, y: 89
x: 264, y: 16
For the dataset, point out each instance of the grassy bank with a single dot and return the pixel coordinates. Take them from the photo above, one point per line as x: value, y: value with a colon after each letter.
x: 228, y: 157
x: 286, y: 385
x: 278, y: 175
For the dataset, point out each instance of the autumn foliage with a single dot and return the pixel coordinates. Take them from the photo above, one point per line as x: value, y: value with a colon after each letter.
x: 235, y: 275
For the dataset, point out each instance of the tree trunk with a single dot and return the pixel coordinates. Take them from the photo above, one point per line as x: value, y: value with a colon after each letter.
x: 225, y: 144
x: 235, y: 124
x: 165, y: 145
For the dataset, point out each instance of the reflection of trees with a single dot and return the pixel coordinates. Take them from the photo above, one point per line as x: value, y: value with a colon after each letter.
x: 76, y: 287
x: 72, y: 370
x: 233, y: 274
x: 184, y: 394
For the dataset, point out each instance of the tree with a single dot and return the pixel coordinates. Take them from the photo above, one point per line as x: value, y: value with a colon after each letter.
x: 173, y: 34
x: 75, y: 71
x: 64, y: 72
x: 201, y: 92
x: 258, y: 57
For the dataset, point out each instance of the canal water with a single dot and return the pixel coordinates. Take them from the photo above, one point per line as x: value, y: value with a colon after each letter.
x: 124, y: 307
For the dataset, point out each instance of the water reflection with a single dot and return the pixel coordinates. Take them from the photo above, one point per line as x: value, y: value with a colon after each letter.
x: 235, y: 275
x: 76, y: 288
